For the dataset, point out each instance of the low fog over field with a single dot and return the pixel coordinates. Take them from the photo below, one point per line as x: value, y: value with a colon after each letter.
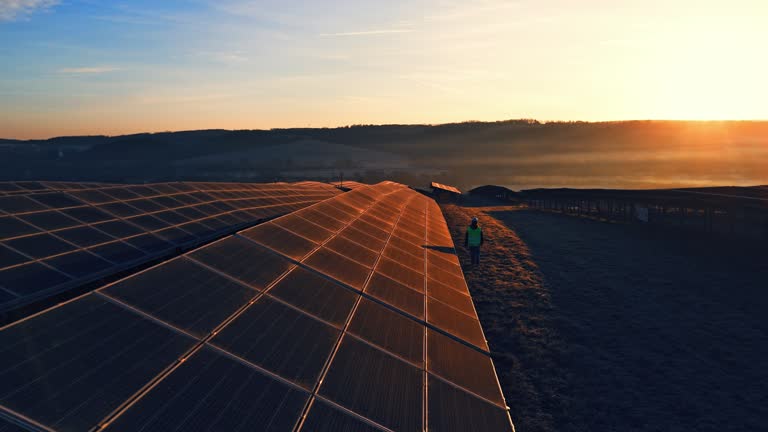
x: 518, y: 154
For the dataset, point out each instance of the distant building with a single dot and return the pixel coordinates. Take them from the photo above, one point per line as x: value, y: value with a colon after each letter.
x: 445, y: 193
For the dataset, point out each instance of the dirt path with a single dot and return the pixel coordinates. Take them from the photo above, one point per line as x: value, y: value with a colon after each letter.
x: 602, y: 327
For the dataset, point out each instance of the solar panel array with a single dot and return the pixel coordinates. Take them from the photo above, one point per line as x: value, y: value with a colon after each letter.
x: 441, y: 186
x: 53, y: 240
x: 22, y: 187
x: 349, y: 315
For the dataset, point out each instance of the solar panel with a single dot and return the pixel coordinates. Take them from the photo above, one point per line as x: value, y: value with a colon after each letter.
x: 13, y: 227
x: 323, y: 417
x: 454, y: 410
x: 78, y: 264
x: 8, y: 257
x: 353, y: 250
x: 280, y: 339
x: 184, y: 294
x: 31, y: 278
x: 405, y: 275
x: 396, y: 294
x: 458, y: 324
x: 339, y: 267
x: 389, y: 330
x: 281, y: 240
x: 72, y: 366
x: 275, y: 332
x: 40, y: 245
x: 462, y: 366
x: 84, y: 236
x: 376, y: 385
x: 315, y: 295
x: 213, y: 392
x: 243, y: 260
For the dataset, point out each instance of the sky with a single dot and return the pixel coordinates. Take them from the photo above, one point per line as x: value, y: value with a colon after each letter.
x: 84, y: 67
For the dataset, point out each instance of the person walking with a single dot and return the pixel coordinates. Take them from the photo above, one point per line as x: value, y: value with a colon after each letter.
x: 473, y: 240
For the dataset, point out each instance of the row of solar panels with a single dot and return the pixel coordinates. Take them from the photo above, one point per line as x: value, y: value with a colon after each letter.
x: 351, y: 314
x: 53, y: 241
x: 22, y: 187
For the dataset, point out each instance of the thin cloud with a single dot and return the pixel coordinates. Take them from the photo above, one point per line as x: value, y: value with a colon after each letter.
x: 11, y: 10
x: 88, y: 70
x: 367, y: 33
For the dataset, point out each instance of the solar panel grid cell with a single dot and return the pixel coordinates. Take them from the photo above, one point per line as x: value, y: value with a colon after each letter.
x: 68, y: 368
x: 213, y: 392
x: 280, y: 339
x: 389, y: 330
x: 413, y: 262
x: 30, y: 278
x: 9, y: 257
x: 88, y: 214
x: 458, y: 300
x: 323, y: 417
x: 460, y: 325
x: 118, y: 252
x: 353, y: 250
x: 11, y: 226
x: 57, y: 200
x: 49, y: 220
x: 338, y: 267
x: 281, y: 240
x: 40, y: 245
x: 462, y: 366
x: 20, y: 204
x: 184, y: 294
x: 396, y: 294
x: 243, y: 260
x: 358, y: 368
x: 78, y: 264
x: 315, y: 295
x: 453, y: 410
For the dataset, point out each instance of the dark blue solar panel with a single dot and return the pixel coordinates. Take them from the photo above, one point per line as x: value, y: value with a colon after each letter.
x: 30, y: 278
x: 268, y: 334
x: 70, y: 367
x: 78, y: 264
x: 211, y: 392
x: 13, y: 227
x: 40, y: 245
x: 184, y: 294
x: 118, y: 252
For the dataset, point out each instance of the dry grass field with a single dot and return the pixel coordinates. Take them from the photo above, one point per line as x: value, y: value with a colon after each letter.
x: 609, y: 327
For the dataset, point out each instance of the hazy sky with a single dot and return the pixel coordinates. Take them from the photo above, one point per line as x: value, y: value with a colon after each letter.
x: 112, y: 67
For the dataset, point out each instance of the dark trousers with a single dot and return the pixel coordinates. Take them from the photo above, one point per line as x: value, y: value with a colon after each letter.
x: 474, y: 254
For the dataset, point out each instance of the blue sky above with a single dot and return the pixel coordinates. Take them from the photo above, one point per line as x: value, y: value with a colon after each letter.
x: 81, y: 66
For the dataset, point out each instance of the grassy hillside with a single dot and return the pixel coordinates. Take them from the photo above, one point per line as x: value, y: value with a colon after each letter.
x: 518, y: 154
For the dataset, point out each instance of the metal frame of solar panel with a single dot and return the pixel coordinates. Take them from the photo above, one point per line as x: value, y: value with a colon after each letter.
x: 57, y: 236
x: 252, y: 319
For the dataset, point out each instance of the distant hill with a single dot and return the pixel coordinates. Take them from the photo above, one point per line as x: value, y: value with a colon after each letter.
x: 518, y: 154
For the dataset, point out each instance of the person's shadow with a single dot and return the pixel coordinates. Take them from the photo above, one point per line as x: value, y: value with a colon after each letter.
x: 443, y: 249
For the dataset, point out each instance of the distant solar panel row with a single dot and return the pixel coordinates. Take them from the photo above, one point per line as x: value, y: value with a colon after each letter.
x: 51, y: 241
x: 10, y: 188
x: 351, y: 314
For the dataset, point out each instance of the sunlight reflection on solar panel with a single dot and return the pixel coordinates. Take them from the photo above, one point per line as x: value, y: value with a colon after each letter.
x: 359, y: 368
x: 396, y: 294
x: 281, y: 340
x: 411, y: 278
x: 455, y: 323
x: 339, y: 267
x: 463, y: 366
x: 315, y: 295
x: 453, y: 410
x: 281, y: 240
x: 389, y: 330
x: 352, y: 250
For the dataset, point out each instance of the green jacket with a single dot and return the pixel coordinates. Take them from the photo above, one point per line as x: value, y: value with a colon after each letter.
x: 474, y: 237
